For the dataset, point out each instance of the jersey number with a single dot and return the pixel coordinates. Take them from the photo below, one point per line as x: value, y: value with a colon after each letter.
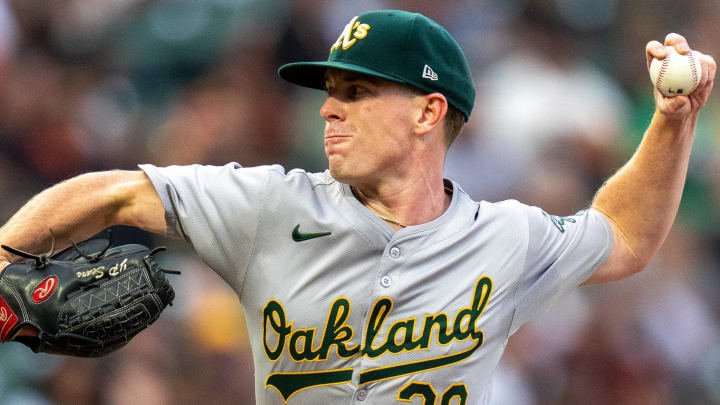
x: 427, y: 393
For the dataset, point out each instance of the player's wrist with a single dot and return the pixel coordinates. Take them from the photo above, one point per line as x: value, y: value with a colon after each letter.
x: 676, y: 123
x: 27, y: 330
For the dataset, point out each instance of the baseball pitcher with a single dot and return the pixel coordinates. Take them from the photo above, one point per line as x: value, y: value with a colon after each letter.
x: 378, y: 281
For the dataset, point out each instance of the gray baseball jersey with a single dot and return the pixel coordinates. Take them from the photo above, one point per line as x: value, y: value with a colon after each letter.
x: 341, y: 309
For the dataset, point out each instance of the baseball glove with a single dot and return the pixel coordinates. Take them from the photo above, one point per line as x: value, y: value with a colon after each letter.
x: 85, y: 301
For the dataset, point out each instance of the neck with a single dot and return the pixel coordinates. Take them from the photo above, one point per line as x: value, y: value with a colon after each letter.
x: 406, y: 203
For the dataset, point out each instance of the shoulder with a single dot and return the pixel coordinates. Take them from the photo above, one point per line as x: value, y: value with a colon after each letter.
x: 506, y: 222
x: 485, y: 215
x: 298, y: 182
x: 233, y: 171
x: 274, y: 179
x: 300, y: 177
x: 507, y: 209
x: 534, y: 219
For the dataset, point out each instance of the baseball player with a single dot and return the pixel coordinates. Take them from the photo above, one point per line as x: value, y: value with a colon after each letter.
x: 378, y: 281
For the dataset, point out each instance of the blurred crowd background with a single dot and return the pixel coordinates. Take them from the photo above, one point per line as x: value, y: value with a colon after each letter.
x: 563, y: 99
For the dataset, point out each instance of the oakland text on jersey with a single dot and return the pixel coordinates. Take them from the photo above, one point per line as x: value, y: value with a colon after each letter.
x: 401, y: 337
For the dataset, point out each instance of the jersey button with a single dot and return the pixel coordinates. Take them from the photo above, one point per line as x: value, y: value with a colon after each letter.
x: 361, y: 395
x: 386, y: 281
x: 394, y: 252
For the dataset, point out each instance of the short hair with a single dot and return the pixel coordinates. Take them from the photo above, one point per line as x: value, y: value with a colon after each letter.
x: 454, y: 122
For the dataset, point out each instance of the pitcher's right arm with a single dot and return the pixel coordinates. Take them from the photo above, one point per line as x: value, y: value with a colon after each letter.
x: 79, y: 208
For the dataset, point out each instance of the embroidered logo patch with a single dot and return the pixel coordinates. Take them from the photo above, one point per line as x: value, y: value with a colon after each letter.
x: 300, y: 236
x: 428, y: 73
x: 44, y: 289
x: 8, y: 320
x: 353, y: 31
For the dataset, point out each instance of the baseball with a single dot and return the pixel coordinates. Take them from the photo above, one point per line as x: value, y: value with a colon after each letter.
x: 677, y: 74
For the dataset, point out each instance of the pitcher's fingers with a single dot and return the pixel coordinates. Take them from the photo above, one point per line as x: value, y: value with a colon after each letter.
x: 704, y: 87
x: 707, y: 65
x: 678, y: 41
x: 654, y: 49
x: 712, y: 67
x: 704, y: 67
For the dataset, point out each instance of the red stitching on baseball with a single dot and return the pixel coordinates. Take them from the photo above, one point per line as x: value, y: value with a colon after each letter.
x: 693, y: 70
x: 661, y: 73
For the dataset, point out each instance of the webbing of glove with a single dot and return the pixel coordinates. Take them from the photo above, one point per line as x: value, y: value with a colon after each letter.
x: 88, y: 306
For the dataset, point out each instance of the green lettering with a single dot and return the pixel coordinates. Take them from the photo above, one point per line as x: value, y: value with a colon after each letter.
x: 383, y: 373
x: 288, y: 384
x: 483, y: 289
x: 337, y: 333
x: 443, y: 337
x: 380, y: 312
x: 418, y: 389
x: 407, y: 327
x: 458, y: 391
x: 458, y: 331
x: 305, y: 352
x: 279, y: 325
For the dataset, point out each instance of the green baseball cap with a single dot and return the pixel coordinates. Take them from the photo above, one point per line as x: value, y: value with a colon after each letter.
x: 399, y: 46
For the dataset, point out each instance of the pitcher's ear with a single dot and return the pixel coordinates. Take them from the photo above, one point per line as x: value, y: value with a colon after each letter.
x: 432, y: 109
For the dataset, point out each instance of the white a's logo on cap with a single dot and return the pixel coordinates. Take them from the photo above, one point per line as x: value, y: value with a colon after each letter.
x: 428, y: 73
x: 353, y: 31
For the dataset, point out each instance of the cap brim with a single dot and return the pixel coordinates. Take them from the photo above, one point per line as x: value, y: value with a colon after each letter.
x: 312, y: 74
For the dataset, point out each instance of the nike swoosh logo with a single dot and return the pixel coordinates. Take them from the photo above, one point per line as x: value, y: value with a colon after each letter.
x: 299, y: 236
